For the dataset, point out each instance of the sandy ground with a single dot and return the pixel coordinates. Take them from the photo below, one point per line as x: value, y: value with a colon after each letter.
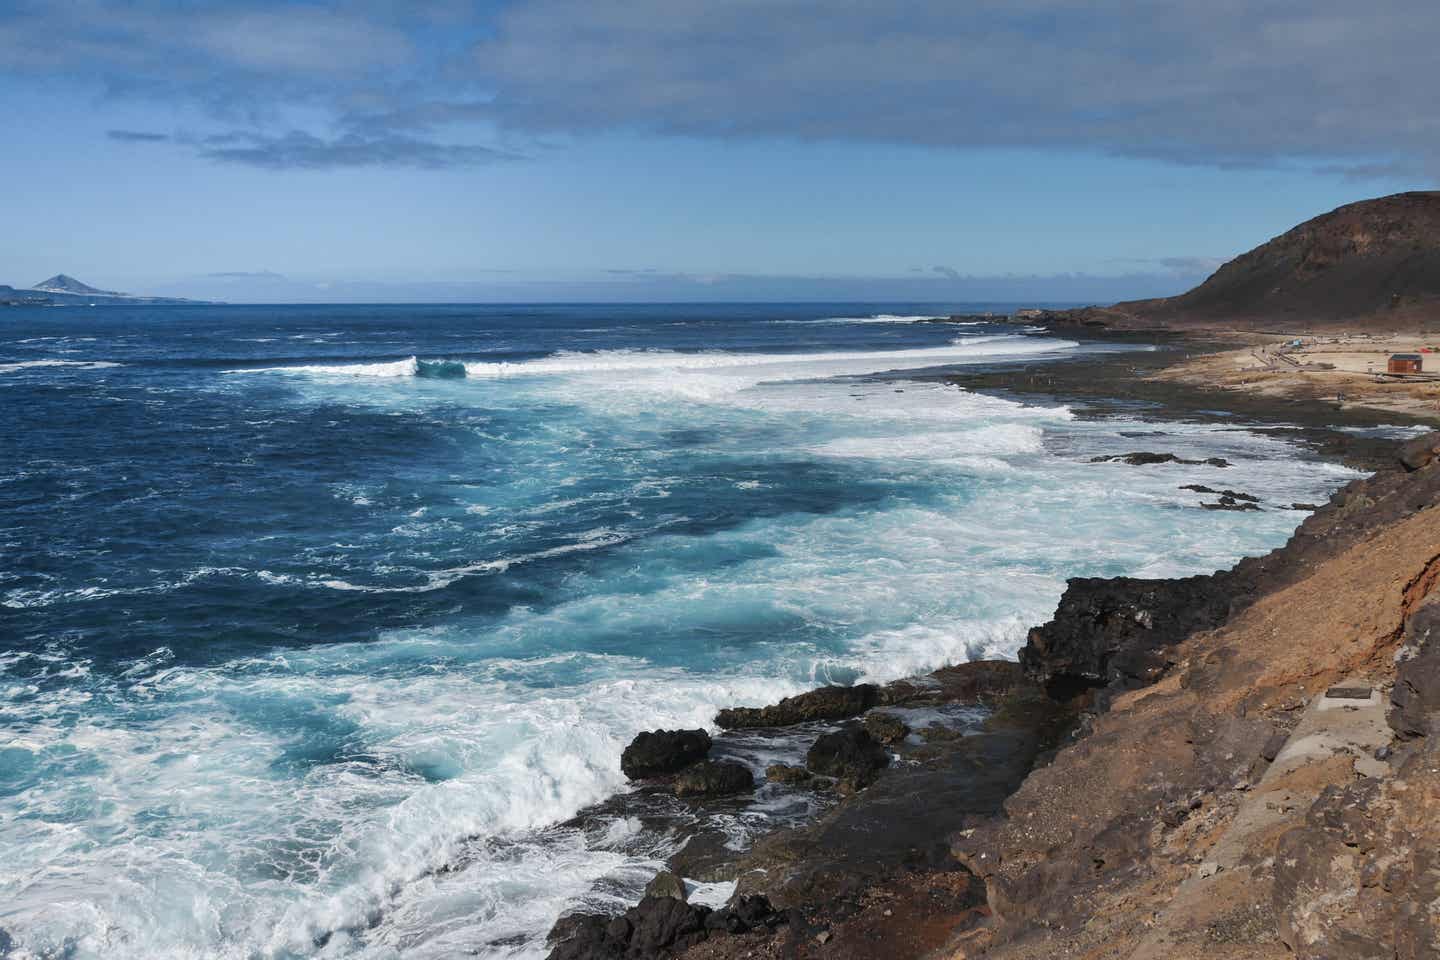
x: 1344, y: 369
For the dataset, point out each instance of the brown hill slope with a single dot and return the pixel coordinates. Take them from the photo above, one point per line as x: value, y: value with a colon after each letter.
x: 1375, y: 263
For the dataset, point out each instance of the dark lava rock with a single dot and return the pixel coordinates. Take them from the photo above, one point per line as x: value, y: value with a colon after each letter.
x: 714, y: 778
x: 657, y: 753
x: 1116, y: 631
x: 825, y: 703
x: 785, y: 773
x: 665, y: 923
x: 1229, y: 503
x: 1144, y: 459
x: 1420, y: 452
x: 1231, y: 494
x: 657, y: 927
x: 667, y: 884
x: 978, y: 681
x: 848, y: 754
x: 1415, y: 698
x: 886, y: 727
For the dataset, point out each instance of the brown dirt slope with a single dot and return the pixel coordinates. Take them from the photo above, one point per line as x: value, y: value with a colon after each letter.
x: 1336, y: 856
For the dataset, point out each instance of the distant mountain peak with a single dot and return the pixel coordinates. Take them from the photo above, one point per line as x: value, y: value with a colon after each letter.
x: 64, y: 283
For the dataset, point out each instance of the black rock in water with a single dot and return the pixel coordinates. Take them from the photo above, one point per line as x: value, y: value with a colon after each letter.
x: 825, y: 703
x: 714, y: 778
x: 658, y: 753
x: 1146, y: 459
x: 848, y: 754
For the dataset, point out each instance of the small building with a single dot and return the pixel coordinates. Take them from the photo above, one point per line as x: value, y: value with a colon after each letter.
x: 1405, y: 363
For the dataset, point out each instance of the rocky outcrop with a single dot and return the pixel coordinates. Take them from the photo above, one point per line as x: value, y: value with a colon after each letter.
x: 658, y: 753
x: 826, y: 703
x: 667, y: 884
x: 1420, y: 452
x: 1188, y: 821
x: 1118, y: 631
x: 1146, y: 459
x: 984, y: 682
x: 886, y: 727
x: 1415, y: 698
x: 714, y: 778
x: 849, y: 754
x: 657, y: 927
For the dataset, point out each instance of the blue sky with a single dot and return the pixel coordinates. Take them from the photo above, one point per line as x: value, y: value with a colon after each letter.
x: 677, y: 149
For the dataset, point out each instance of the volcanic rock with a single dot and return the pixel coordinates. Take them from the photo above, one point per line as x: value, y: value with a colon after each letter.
x: 1421, y: 451
x: 667, y: 884
x: 1116, y: 631
x: 848, y: 754
x: 886, y: 727
x: 825, y: 703
x: 657, y: 753
x: 714, y: 778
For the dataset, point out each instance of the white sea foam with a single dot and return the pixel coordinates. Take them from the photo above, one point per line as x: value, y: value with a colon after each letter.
x: 776, y: 365
x: 874, y: 318
x: 398, y: 368
x: 73, y: 364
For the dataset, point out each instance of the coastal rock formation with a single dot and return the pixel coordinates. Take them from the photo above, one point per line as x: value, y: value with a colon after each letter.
x: 1420, y: 452
x: 886, y: 727
x: 849, y: 754
x: 826, y: 703
x: 1223, y: 494
x: 657, y: 927
x: 1415, y: 698
x: 786, y: 773
x: 657, y: 753
x: 714, y: 778
x: 1225, y: 811
x: 1146, y: 459
x: 667, y: 884
x: 986, y: 682
x: 1117, y: 631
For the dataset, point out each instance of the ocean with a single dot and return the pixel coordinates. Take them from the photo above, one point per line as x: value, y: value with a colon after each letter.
x: 318, y: 623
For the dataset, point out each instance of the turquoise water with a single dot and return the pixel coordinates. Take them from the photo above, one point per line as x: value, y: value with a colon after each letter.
x: 316, y: 621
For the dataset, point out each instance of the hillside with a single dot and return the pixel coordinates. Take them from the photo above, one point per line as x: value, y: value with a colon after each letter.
x: 63, y: 290
x: 1374, y: 264
x: 63, y: 283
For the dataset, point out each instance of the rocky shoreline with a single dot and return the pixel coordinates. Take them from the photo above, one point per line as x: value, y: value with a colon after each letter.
x: 970, y: 838
x: 1129, y: 727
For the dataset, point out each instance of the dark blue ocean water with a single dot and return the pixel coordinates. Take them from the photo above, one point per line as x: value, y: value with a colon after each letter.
x: 300, y: 605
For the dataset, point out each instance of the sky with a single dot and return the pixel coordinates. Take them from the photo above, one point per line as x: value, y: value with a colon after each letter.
x: 1002, y: 150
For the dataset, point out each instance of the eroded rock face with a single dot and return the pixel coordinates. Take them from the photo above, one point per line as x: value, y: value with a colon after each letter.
x: 848, y: 754
x: 825, y: 703
x: 1116, y: 631
x: 1361, y: 878
x: 714, y: 778
x: 658, y: 753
